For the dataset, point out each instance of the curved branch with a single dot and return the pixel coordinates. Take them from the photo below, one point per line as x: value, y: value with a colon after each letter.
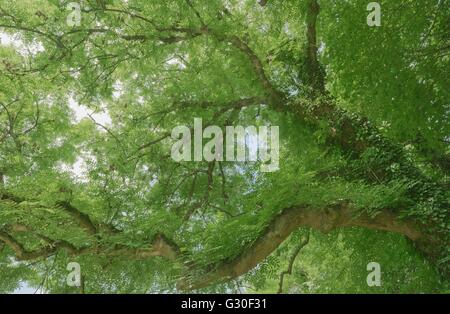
x: 294, y: 255
x: 21, y: 253
x: 160, y: 246
x: 289, y: 220
x: 83, y: 219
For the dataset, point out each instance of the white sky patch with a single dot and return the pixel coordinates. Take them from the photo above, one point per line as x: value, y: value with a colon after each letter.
x: 264, y: 28
x: 321, y: 48
x: 7, y: 39
x: 25, y: 288
x: 118, y: 89
x: 287, y: 30
x: 17, y: 43
x: 177, y: 62
x: 59, y: 141
x: 75, y: 73
x: 79, y: 169
x: 81, y: 112
x: 140, y: 100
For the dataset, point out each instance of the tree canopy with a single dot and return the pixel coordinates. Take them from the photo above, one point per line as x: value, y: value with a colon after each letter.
x: 91, y: 90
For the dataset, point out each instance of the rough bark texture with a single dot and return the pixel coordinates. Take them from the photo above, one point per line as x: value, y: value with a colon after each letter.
x: 289, y: 220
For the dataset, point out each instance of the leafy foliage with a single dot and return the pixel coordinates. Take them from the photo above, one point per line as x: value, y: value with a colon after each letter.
x: 86, y: 176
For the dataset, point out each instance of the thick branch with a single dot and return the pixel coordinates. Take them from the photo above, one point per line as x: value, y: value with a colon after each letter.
x: 82, y: 218
x: 160, y: 246
x: 291, y: 219
x: 313, y: 72
x: 275, y: 97
x: 163, y: 246
x: 21, y: 253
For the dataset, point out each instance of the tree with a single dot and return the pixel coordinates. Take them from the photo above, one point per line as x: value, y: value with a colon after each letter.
x: 363, y: 119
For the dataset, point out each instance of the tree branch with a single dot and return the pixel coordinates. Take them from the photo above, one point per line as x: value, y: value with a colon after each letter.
x: 83, y: 219
x: 294, y: 255
x: 21, y: 253
x: 315, y: 77
x: 275, y: 97
x: 289, y: 220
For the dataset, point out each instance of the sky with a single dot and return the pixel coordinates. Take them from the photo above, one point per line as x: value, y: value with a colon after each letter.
x: 25, y: 289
